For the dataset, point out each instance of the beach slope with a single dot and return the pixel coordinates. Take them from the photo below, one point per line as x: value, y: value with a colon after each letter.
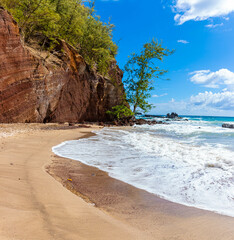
x: 33, y: 205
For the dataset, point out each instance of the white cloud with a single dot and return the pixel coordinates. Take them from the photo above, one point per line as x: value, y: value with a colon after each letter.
x: 222, y: 100
x: 222, y: 77
x: 207, y: 104
x: 217, y: 102
x: 214, y: 25
x: 226, y: 18
x: 199, y: 10
x: 162, y: 95
x: 183, y: 41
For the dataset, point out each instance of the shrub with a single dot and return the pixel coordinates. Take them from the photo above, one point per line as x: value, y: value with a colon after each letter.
x: 120, y: 111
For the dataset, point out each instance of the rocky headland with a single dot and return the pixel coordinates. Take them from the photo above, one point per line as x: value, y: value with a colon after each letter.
x: 58, y: 86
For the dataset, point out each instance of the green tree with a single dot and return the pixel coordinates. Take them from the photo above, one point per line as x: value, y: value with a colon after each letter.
x: 34, y: 17
x: 141, y: 71
x: 74, y: 21
x: 97, y: 45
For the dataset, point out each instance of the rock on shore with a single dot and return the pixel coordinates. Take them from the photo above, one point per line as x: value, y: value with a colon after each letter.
x: 227, y: 125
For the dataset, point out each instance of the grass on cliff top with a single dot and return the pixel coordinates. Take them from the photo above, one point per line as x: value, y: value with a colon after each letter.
x: 74, y: 21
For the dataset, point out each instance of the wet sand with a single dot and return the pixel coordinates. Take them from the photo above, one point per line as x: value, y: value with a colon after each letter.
x: 37, y: 205
x: 159, y: 218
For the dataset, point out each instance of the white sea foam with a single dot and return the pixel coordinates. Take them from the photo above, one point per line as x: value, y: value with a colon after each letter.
x: 194, y: 173
x: 191, y: 127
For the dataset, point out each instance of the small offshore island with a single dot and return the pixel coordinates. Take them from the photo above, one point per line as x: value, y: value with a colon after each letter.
x: 76, y: 162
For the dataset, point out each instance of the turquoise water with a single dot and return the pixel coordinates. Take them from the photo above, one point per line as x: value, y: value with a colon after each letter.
x: 217, y: 120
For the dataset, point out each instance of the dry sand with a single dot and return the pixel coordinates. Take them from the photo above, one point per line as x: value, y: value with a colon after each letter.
x: 33, y: 205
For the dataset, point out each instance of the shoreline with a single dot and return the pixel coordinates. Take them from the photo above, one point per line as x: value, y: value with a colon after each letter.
x: 127, y: 164
x: 35, y: 204
x: 139, y: 208
x: 57, y: 156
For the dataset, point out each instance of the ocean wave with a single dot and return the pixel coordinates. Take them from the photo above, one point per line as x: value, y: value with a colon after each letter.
x: 190, y: 173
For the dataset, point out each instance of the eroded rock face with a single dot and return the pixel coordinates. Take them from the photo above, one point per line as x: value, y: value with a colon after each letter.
x: 38, y: 88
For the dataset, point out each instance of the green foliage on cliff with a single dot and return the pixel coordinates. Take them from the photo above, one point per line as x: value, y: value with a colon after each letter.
x: 141, y: 71
x: 70, y: 20
x: 120, y: 111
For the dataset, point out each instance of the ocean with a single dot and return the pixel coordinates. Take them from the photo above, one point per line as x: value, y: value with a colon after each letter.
x: 190, y: 162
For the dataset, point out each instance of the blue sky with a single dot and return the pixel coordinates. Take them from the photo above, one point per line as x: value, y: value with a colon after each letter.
x: 201, y: 71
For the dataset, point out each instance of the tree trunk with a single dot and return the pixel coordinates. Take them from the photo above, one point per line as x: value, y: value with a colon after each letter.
x: 134, y: 109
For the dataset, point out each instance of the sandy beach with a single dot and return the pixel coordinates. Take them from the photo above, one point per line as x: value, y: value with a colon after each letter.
x: 75, y: 201
x: 35, y: 206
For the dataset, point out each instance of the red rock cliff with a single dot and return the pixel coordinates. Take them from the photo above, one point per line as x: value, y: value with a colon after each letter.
x: 38, y: 88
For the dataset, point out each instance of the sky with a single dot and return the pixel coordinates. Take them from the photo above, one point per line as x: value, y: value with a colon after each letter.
x: 201, y: 71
